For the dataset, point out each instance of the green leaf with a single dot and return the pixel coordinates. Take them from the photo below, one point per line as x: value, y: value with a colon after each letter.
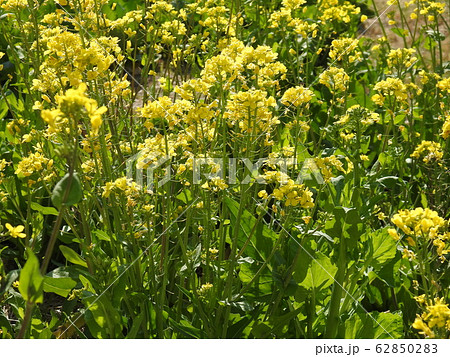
x: 75, y: 191
x: 31, y: 281
x: 375, y: 324
x: 44, y: 210
x: 261, y: 242
x: 101, y: 235
x: 60, y: 286
x: 382, y: 248
x: 265, y: 280
x: 185, y: 196
x: 72, y: 256
x: 320, y: 274
x: 136, y: 327
x: 186, y: 328
x: 3, y: 108
x: 400, y: 32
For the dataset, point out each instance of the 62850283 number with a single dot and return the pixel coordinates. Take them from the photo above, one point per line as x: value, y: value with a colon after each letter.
x: 417, y: 348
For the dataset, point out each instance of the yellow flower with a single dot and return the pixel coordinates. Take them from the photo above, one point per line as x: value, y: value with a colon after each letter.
x: 423, y: 328
x: 335, y: 79
x: 297, y: 96
x: 446, y: 128
x: 344, y: 49
x: 390, y: 88
x: 430, y: 150
x: 393, y: 233
x: 401, y: 58
x: 263, y: 194
x: 15, y: 232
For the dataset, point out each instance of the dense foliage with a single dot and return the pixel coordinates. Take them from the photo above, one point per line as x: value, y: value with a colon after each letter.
x: 224, y: 169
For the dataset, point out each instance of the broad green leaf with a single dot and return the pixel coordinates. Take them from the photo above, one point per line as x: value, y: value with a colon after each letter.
x: 186, y: 328
x: 75, y: 191
x: 374, y: 325
x: 382, y: 248
x: 103, y: 316
x: 320, y: 274
x: 102, y: 235
x: 265, y: 280
x: 261, y: 242
x: 136, y: 327
x: 60, y: 286
x: 44, y: 210
x: 239, y: 324
x: 31, y: 281
x: 72, y: 256
x: 185, y: 196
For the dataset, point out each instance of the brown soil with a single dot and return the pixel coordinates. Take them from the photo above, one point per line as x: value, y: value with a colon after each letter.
x: 388, y: 12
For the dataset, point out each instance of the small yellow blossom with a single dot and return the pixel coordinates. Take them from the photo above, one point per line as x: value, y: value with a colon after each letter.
x: 15, y: 232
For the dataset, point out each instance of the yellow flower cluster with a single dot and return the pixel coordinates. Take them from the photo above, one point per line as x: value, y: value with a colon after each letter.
x: 429, y: 150
x: 275, y: 177
x: 435, y: 318
x: 297, y: 96
x: 286, y: 18
x: 123, y: 23
x: 356, y: 118
x: 392, y: 88
x: 336, y: 10
x: 215, y: 15
x: 249, y: 113
x: 326, y: 164
x: 215, y: 184
x: 335, y: 79
x: 293, y: 4
x: 9, y: 5
x: 426, y: 7
x: 421, y: 226
x: 123, y: 185
x: 35, y: 162
x: 356, y: 112
x: 244, y: 63
x: 73, y: 104
x: 70, y: 59
x: 419, y: 222
x: 153, y: 149
x: 88, y: 14
x: 294, y: 195
x: 444, y: 85
x: 344, y: 49
x: 16, y: 126
x: 446, y: 128
x: 401, y: 59
x: 204, y: 289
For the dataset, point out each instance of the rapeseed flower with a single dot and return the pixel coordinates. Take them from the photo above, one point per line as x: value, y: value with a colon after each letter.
x: 429, y: 150
x: 435, y: 318
x: 297, y: 96
x: 344, y: 49
x: 335, y: 79
x: 15, y: 232
x: 446, y: 128
x: 393, y: 89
